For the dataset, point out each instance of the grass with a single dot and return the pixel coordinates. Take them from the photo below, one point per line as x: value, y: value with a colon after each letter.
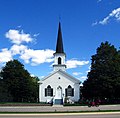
x: 23, y: 104
x: 75, y: 104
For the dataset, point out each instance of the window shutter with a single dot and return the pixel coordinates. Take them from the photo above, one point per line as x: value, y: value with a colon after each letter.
x: 45, y: 92
x: 72, y: 92
x: 65, y: 92
x: 51, y: 92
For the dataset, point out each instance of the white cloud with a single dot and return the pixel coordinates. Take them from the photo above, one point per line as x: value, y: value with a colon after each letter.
x: 114, y: 14
x: 31, y: 56
x: 8, y: 54
x: 77, y: 73
x: 18, y: 37
x: 73, y: 63
x: 5, y: 55
x: 105, y: 20
x: 18, y: 49
x: 36, y: 57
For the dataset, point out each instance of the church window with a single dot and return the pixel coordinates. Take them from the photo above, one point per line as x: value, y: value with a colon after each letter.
x: 59, y: 60
x: 48, y: 91
x: 69, y: 91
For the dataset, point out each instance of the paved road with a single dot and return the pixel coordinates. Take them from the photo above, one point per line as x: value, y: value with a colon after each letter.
x: 78, y: 115
x: 57, y: 108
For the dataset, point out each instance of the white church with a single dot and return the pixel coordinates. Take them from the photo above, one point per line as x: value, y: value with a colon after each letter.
x: 59, y: 86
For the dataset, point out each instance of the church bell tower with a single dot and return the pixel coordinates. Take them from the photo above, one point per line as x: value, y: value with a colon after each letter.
x: 59, y: 55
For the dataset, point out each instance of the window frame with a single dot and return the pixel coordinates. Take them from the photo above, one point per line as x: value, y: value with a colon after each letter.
x: 69, y: 91
x: 48, y: 91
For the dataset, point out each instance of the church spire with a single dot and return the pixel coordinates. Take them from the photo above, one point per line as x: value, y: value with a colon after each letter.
x: 59, y: 55
x: 59, y: 46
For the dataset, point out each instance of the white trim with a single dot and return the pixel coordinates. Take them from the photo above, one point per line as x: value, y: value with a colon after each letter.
x: 71, y: 78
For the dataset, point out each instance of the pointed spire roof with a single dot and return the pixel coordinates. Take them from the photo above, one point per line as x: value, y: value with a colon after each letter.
x: 59, y: 46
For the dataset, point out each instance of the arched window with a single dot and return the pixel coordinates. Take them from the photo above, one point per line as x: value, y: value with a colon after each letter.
x: 69, y: 91
x: 59, y: 60
x: 48, y: 91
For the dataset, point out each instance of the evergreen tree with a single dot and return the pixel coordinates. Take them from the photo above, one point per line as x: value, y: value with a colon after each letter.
x: 104, y: 77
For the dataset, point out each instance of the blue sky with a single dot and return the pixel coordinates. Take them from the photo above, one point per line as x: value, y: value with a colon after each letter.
x: 28, y: 32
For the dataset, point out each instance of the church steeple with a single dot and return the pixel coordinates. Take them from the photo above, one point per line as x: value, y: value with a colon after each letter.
x: 59, y: 46
x: 59, y: 55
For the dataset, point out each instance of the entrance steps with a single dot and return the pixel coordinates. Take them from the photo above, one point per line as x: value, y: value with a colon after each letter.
x: 57, y: 105
x: 59, y: 101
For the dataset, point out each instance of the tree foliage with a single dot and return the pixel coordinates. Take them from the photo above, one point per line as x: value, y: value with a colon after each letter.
x: 18, y: 83
x: 104, y: 77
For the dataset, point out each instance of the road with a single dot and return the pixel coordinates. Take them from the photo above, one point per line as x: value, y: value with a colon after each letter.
x: 66, y: 115
x: 56, y: 108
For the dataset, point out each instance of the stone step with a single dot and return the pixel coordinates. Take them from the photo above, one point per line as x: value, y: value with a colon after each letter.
x: 59, y: 101
x: 56, y: 105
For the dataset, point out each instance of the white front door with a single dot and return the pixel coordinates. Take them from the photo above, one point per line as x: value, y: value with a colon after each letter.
x: 59, y: 93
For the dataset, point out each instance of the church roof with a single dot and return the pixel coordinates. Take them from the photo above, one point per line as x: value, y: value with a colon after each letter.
x: 59, y: 46
x: 68, y: 76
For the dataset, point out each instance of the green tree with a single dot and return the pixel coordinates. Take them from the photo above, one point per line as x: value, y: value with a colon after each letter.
x: 4, y: 95
x: 19, y: 83
x: 104, y: 77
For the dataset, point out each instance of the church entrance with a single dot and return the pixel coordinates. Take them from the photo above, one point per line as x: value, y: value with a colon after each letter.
x: 58, y: 98
x: 59, y: 92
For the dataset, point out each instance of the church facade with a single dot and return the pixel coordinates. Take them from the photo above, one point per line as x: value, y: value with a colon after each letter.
x: 59, y: 86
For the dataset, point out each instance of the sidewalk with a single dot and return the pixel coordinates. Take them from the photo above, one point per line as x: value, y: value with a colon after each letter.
x: 56, y: 108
